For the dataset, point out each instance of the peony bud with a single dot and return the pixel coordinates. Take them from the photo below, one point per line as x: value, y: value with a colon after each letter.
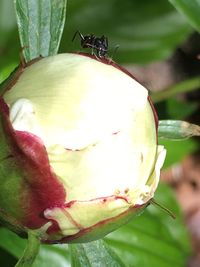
x: 78, y: 148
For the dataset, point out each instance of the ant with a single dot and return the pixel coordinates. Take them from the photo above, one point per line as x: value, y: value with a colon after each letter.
x: 100, y: 44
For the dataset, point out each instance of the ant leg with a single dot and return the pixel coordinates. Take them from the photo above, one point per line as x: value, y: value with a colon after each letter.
x: 94, y: 54
x: 97, y: 56
x: 92, y: 51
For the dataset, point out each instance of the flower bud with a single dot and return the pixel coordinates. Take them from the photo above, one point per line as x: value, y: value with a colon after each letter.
x: 79, y: 153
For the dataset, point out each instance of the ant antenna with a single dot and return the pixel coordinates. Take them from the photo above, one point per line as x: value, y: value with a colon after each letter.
x: 115, y: 50
x: 80, y: 35
x: 169, y: 212
x: 113, y: 53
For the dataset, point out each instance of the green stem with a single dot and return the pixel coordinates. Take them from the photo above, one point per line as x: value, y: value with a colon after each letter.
x: 182, y: 87
x: 30, y: 251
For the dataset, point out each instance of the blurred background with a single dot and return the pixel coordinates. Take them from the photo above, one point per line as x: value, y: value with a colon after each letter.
x: 162, y: 50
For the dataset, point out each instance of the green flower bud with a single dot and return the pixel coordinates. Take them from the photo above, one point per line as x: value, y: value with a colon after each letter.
x: 78, y: 147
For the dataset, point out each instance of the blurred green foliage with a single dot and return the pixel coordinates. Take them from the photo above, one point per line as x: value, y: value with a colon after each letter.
x: 153, y: 239
x: 177, y: 150
x: 9, y: 40
x: 144, y: 30
x: 190, y: 9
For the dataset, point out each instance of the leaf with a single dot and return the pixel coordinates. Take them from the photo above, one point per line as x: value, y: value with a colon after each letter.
x: 153, y: 239
x: 190, y: 9
x: 94, y: 254
x: 181, y: 87
x: 9, y: 44
x: 178, y: 109
x: 11, y: 242
x: 49, y: 255
x: 40, y: 25
x: 177, y: 130
x: 53, y: 256
x: 6, y: 72
x: 6, y: 24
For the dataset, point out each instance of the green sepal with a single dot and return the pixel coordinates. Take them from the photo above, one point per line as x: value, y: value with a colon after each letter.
x: 177, y: 130
x: 10, y: 185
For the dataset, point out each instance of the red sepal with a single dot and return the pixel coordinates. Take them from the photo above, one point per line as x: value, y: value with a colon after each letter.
x: 40, y: 187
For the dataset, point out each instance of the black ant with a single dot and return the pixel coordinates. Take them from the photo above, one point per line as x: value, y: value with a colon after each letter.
x: 100, y: 44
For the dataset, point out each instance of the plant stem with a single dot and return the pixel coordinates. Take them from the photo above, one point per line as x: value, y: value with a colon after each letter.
x: 30, y: 252
x: 182, y: 87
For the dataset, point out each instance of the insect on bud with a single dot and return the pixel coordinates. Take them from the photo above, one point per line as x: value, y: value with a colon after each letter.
x: 79, y: 152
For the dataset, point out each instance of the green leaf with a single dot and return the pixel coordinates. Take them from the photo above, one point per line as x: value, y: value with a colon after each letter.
x: 40, y: 25
x: 6, y: 72
x: 6, y: 24
x: 177, y: 150
x: 9, y: 44
x: 11, y: 243
x: 53, y: 256
x: 153, y: 239
x: 182, y: 87
x: 49, y: 255
x: 190, y: 9
x: 6, y: 259
x: 178, y: 109
x: 94, y: 254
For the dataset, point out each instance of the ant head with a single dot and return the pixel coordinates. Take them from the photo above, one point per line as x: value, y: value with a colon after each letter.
x: 87, y: 41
